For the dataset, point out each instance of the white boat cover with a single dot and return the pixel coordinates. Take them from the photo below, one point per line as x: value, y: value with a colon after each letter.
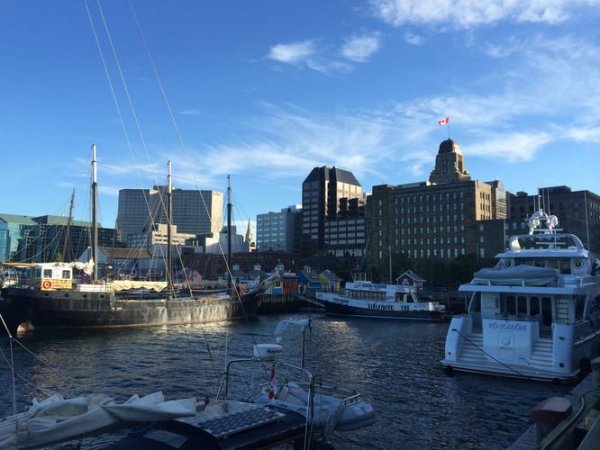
x: 329, y: 412
x: 516, y: 275
x: 55, y: 419
x: 124, y: 285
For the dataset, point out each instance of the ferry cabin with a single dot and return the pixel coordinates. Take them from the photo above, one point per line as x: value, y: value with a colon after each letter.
x: 365, y: 290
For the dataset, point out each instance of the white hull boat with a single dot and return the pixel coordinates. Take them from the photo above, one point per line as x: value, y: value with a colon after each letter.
x: 536, y: 315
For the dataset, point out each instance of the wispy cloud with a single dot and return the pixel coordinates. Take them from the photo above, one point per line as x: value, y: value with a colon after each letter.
x: 189, y: 112
x: 545, y: 93
x: 293, y: 53
x: 413, y: 39
x: 360, y: 48
x: 326, y: 59
x: 474, y: 13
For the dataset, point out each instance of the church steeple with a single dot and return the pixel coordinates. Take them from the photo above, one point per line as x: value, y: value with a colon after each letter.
x: 449, y: 164
x: 250, y: 238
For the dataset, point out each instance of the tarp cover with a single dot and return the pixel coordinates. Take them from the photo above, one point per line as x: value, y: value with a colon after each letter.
x: 55, y: 419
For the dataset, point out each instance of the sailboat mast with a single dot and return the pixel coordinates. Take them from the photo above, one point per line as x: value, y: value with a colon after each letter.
x: 68, y: 230
x: 169, y: 231
x: 94, y: 218
x: 229, y: 231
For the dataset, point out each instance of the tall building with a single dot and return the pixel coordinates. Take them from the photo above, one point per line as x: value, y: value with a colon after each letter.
x: 328, y: 193
x: 45, y: 238
x: 194, y: 212
x: 578, y: 212
x: 436, y: 218
x: 278, y: 231
x: 13, y: 229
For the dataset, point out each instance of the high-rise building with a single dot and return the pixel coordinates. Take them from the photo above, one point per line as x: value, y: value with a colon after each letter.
x: 47, y: 238
x: 328, y: 193
x: 13, y: 229
x: 278, y: 231
x: 436, y: 218
x: 578, y: 212
x: 194, y: 212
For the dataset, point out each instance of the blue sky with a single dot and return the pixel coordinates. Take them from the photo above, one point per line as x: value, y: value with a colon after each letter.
x: 267, y: 90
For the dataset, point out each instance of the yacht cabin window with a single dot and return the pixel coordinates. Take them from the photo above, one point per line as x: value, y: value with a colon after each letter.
x: 47, y: 273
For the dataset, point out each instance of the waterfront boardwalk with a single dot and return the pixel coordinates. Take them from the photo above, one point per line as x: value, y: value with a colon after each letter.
x: 528, y: 440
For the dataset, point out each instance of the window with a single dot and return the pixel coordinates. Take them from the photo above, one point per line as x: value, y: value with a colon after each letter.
x: 66, y: 274
x: 47, y: 273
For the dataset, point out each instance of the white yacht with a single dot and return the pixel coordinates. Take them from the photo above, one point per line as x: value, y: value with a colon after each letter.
x: 536, y: 314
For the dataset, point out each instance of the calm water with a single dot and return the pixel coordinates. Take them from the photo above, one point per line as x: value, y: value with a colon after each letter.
x: 394, y: 365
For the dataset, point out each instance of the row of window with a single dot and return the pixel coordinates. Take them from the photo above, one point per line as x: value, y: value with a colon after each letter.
x: 344, y: 241
x: 429, y: 230
x: 420, y: 198
x: 429, y: 253
x: 425, y: 220
x: 433, y: 208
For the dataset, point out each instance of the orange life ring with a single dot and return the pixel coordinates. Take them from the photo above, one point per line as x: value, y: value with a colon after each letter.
x: 47, y: 284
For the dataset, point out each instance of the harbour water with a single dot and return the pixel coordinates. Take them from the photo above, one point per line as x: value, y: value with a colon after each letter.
x: 394, y: 365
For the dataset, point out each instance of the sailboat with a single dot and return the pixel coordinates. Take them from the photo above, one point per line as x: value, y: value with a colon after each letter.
x: 51, y: 298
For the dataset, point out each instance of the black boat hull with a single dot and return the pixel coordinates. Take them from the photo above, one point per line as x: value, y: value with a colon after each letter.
x: 74, y: 309
x: 337, y: 309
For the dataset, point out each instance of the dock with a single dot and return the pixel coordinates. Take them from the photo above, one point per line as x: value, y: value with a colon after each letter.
x: 574, y: 427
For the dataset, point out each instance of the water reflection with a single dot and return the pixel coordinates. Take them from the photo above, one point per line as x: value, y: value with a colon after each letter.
x: 394, y: 365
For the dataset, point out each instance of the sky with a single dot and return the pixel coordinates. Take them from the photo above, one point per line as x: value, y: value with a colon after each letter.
x: 267, y: 90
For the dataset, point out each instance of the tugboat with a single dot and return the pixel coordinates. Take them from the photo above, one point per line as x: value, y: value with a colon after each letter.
x: 536, y: 314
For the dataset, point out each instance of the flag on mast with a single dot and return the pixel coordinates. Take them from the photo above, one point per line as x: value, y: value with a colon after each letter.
x: 444, y: 121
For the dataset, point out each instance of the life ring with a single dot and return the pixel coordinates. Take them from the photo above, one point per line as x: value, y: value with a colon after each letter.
x: 47, y: 284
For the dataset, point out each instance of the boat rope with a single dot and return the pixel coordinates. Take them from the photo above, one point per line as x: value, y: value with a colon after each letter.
x: 235, y: 295
x: 11, y: 365
x: 466, y: 338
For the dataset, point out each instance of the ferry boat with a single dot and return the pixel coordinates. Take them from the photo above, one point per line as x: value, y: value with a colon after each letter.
x: 536, y: 314
x: 382, y: 301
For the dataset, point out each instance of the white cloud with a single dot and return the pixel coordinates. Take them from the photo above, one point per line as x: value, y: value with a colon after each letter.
x: 360, y: 48
x: 327, y: 59
x: 413, y: 39
x: 514, y: 147
x: 545, y: 93
x: 473, y: 13
x: 294, y: 53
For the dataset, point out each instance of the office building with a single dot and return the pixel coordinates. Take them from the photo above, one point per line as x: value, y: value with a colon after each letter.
x: 194, y: 212
x: 578, y: 212
x: 278, y: 231
x: 328, y: 193
x: 47, y: 238
x: 436, y: 218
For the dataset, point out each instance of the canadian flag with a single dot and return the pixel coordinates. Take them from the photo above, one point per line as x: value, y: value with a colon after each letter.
x: 444, y: 121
